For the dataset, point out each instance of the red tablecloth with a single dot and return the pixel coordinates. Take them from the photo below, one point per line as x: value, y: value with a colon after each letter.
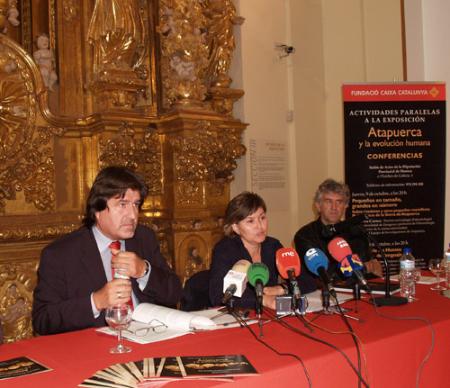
x: 393, y: 350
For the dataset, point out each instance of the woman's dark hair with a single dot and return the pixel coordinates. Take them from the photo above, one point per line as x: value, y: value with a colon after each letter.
x: 240, y: 207
x: 111, y: 182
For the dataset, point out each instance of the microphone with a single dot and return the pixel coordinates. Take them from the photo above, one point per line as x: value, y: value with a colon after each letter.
x: 344, y: 226
x: 288, y: 265
x: 258, y: 276
x: 317, y: 262
x: 235, y: 280
x: 349, y: 262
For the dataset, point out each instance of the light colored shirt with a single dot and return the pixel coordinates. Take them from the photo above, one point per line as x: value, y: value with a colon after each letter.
x: 103, y: 243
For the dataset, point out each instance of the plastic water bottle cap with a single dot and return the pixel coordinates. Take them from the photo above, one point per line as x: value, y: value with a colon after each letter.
x: 406, y: 250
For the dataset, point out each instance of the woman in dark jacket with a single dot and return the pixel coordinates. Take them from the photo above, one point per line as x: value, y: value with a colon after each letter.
x: 246, y: 238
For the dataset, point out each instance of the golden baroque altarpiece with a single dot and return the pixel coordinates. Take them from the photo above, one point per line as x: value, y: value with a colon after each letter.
x: 140, y: 83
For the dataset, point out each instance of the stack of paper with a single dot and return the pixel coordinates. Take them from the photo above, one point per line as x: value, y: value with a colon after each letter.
x: 152, y: 323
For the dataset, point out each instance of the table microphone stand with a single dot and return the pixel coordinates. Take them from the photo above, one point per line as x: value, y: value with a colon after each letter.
x: 356, y: 294
x: 388, y: 299
x: 326, y: 301
x: 232, y: 311
x: 327, y: 310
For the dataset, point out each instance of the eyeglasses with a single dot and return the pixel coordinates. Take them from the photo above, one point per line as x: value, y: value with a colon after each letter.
x: 155, y: 326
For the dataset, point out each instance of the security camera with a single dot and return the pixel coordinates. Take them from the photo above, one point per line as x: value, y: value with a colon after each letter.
x: 289, y: 49
x: 285, y: 49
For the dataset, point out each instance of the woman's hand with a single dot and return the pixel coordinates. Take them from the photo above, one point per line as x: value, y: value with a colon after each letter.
x: 269, y: 301
x: 270, y: 294
x: 274, y: 290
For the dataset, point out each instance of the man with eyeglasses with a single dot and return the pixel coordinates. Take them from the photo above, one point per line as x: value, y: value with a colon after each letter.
x: 78, y: 273
x: 331, y: 201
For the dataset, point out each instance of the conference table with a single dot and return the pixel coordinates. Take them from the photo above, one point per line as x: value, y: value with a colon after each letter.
x: 395, y: 341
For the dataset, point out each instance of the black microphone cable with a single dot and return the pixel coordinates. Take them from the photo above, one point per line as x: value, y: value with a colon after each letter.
x: 361, y: 344
x: 350, y: 328
x: 326, y: 343
x: 412, y: 318
x: 298, y: 358
x: 347, y: 323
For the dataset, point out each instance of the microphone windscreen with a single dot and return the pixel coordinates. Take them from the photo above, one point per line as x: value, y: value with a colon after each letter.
x: 287, y: 259
x: 339, y: 249
x: 241, y: 266
x: 314, y: 259
x: 258, y: 272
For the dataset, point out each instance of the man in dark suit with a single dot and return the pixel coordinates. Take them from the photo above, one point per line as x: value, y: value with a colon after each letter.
x: 75, y: 282
x: 331, y: 201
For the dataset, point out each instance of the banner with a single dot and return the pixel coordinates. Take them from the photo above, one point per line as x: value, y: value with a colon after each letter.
x: 395, y: 164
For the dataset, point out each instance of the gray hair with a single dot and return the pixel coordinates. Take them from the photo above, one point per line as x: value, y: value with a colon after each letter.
x: 332, y: 186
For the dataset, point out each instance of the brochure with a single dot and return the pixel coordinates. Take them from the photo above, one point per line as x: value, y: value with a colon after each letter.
x: 20, y: 366
x: 160, y: 369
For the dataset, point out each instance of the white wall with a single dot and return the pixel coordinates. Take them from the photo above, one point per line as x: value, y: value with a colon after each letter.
x: 336, y: 41
x: 428, y: 57
x: 268, y: 97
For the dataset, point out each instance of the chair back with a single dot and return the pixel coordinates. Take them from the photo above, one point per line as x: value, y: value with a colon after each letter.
x: 196, y: 292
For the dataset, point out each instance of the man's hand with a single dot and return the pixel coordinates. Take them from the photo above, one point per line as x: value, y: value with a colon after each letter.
x: 128, y: 263
x: 115, y: 292
x: 374, y: 266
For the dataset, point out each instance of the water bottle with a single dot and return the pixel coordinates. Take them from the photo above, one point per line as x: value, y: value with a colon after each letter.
x: 447, y: 266
x: 407, y: 275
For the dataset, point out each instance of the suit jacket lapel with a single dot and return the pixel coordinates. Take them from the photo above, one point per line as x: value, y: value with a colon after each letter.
x: 132, y: 245
x: 92, y: 261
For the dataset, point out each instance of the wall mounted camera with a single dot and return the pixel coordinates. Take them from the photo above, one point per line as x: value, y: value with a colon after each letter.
x: 284, y: 49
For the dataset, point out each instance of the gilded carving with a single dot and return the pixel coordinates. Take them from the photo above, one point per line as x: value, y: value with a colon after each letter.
x: 188, y: 193
x: 163, y: 230
x: 138, y: 152
x: 26, y: 26
x: 17, y: 282
x: 33, y: 231
x: 184, y: 50
x: 3, y: 14
x: 191, y: 225
x: 52, y: 22
x: 116, y: 33
x: 215, y: 189
x: 70, y: 10
x: 26, y: 161
x: 119, y: 39
x: 223, y: 99
x: 210, y: 154
x: 193, y: 250
x: 221, y: 16
x: 9, y: 15
x: 119, y: 81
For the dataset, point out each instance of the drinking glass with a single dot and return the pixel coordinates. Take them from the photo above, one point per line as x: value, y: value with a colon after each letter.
x: 437, y: 267
x: 119, y: 318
